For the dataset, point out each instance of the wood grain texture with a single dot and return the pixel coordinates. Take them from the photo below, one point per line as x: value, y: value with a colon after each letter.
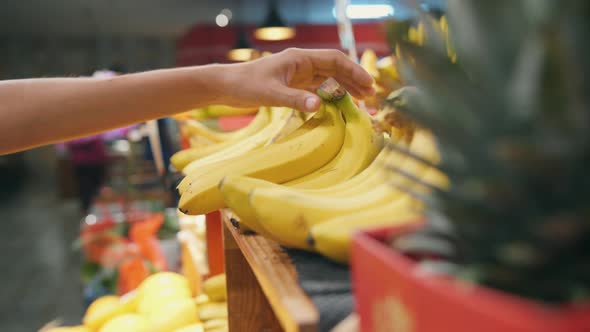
x: 248, y: 308
x: 275, y: 275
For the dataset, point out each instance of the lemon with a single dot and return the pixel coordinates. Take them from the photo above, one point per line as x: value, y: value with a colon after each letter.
x: 154, y: 299
x: 159, y: 289
x: 164, y: 280
x: 198, y: 327
x: 102, y: 304
x: 107, y: 307
x: 127, y: 323
x: 174, y: 315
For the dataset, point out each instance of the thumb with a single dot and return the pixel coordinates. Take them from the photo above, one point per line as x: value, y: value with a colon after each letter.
x: 298, y: 99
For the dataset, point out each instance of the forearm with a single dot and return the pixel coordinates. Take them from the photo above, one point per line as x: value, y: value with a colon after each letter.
x: 42, y: 111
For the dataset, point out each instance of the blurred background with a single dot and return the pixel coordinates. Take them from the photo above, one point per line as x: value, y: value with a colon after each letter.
x: 40, y: 201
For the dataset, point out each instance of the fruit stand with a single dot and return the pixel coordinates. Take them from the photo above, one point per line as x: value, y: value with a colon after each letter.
x: 263, y: 291
x: 445, y: 215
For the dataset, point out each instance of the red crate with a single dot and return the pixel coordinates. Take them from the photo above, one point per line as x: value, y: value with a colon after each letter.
x: 392, y: 295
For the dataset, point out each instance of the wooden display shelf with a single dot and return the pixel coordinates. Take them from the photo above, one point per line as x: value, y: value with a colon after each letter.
x: 262, y: 288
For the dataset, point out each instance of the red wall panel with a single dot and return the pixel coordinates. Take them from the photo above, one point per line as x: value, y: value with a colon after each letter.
x: 204, y: 44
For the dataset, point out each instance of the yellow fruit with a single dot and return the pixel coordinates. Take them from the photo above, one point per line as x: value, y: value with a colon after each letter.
x: 127, y: 323
x: 153, y: 298
x: 198, y: 327
x: 216, y: 111
x: 215, y: 324
x: 163, y: 282
x: 362, y: 143
x: 159, y: 289
x: 280, y: 117
x: 202, y: 299
x: 213, y: 310
x: 369, y: 62
x: 215, y: 288
x: 236, y: 189
x: 182, y: 158
x: 279, y: 162
x: 333, y: 237
x: 100, y: 305
x: 174, y: 315
x: 130, y: 301
x: 287, y: 214
x: 219, y: 329
x: 260, y: 120
x: 106, y: 308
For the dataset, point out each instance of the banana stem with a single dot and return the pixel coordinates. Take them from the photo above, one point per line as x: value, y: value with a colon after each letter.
x: 331, y: 90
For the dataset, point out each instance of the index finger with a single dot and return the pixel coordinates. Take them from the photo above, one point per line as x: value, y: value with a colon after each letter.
x: 337, y: 64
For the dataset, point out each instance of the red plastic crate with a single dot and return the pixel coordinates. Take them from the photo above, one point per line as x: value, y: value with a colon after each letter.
x: 392, y: 295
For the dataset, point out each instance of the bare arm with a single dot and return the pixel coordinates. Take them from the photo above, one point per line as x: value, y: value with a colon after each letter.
x: 35, y: 112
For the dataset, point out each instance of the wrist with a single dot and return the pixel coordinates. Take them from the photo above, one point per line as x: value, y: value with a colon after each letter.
x: 221, y: 82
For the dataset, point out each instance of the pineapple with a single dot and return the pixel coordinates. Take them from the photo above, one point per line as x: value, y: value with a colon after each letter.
x: 512, y: 115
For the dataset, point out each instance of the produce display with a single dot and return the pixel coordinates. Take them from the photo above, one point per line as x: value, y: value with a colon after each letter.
x: 162, y: 303
x: 329, y: 170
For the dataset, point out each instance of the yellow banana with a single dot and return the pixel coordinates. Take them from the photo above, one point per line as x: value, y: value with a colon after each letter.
x: 182, y: 158
x: 387, y: 68
x: 279, y: 119
x: 261, y: 119
x: 215, y: 288
x: 217, y: 111
x: 286, y: 214
x: 235, y: 189
x: 213, y: 310
x: 215, y: 324
x: 333, y: 237
x: 293, y: 128
x: 361, y: 145
x: 369, y: 62
x: 279, y: 162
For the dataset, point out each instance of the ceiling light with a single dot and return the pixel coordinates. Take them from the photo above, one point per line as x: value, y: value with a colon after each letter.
x: 274, y: 33
x: 240, y: 54
x: 242, y: 50
x: 273, y: 27
x: 367, y: 11
x: 221, y: 20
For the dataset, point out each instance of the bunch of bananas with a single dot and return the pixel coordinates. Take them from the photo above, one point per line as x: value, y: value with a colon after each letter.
x: 209, y: 145
x: 319, y: 182
x: 386, y: 71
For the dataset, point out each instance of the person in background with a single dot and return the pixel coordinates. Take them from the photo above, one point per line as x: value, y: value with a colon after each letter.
x: 35, y: 112
x: 89, y: 158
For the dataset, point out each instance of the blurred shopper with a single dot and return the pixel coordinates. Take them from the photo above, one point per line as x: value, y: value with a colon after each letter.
x: 35, y: 112
x: 89, y: 158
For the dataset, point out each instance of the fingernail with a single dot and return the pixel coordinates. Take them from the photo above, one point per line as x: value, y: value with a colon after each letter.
x: 310, y: 103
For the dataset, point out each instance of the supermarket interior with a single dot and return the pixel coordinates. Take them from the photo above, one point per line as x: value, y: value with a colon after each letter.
x: 294, y: 165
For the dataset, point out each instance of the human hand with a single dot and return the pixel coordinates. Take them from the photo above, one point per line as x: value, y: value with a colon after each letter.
x: 290, y: 78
